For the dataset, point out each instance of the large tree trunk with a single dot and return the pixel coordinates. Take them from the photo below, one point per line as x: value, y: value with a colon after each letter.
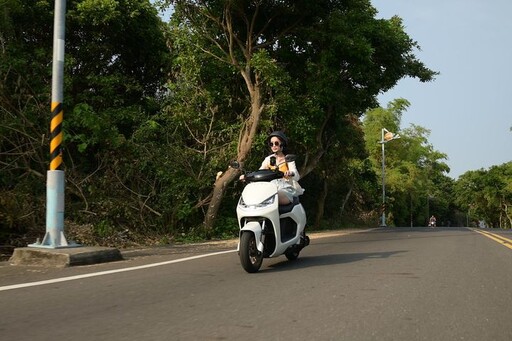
x: 313, y: 158
x: 247, y: 134
x: 349, y: 193
x: 320, y: 207
x: 219, y: 189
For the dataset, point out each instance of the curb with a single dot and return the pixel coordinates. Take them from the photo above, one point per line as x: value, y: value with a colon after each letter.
x: 64, y: 257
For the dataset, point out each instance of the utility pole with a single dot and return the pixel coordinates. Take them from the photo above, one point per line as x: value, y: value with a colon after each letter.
x: 54, y: 237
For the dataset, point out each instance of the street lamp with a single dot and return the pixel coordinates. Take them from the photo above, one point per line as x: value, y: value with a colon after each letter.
x: 386, y: 136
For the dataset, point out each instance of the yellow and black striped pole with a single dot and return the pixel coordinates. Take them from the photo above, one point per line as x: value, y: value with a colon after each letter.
x: 54, y: 237
x: 56, y: 136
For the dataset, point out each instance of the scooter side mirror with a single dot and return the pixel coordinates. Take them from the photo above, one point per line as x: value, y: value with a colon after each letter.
x: 290, y: 157
x: 234, y: 164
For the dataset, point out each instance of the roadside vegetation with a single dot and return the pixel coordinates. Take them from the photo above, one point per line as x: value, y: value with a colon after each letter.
x: 154, y: 111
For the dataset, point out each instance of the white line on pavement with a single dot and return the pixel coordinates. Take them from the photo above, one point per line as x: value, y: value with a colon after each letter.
x: 108, y: 272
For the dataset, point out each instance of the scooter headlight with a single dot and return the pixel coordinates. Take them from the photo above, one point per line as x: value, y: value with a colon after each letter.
x: 267, y: 202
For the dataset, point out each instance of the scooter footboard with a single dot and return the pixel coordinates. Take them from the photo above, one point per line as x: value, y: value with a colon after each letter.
x: 254, y: 227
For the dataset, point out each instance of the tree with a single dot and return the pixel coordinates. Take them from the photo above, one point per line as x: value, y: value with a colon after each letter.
x: 414, y: 170
x: 116, y: 60
x: 303, y: 64
x: 25, y: 41
x: 486, y: 195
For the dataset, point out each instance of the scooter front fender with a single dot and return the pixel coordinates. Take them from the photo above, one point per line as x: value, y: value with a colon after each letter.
x: 254, y: 227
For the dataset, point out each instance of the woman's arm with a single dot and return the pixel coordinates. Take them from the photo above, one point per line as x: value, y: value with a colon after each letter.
x: 293, y: 169
x: 266, y: 163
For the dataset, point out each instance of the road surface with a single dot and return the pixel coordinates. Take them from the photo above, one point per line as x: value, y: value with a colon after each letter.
x: 378, y: 284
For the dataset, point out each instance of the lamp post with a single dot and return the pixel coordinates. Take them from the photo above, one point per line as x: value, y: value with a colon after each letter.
x: 386, y: 136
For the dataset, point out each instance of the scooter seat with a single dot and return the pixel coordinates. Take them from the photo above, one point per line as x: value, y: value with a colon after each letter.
x: 289, y: 207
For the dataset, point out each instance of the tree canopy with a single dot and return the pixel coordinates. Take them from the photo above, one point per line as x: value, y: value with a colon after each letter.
x: 415, y: 173
x: 486, y: 195
x: 303, y: 67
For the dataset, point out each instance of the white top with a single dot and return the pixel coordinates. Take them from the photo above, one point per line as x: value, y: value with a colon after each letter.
x: 291, y: 167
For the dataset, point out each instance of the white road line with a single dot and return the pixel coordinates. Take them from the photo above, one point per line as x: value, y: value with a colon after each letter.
x: 108, y: 272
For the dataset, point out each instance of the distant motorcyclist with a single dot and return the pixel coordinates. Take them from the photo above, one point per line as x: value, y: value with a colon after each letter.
x: 432, y: 221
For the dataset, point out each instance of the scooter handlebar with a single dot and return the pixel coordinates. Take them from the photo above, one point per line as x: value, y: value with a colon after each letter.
x: 263, y: 175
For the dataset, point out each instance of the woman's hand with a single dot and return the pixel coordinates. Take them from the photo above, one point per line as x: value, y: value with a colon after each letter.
x: 289, y: 173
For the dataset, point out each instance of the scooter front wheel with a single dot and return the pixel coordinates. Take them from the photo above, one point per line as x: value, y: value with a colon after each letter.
x: 250, y: 257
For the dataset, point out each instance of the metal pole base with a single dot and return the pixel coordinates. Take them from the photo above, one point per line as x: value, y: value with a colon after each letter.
x: 50, y: 242
x: 54, y: 237
x: 383, y: 220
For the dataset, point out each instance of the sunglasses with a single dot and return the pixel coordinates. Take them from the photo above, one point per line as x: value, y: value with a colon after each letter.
x: 276, y: 143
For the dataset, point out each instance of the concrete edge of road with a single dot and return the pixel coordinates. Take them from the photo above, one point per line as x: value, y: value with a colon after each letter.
x: 64, y: 257
x: 88, y: 255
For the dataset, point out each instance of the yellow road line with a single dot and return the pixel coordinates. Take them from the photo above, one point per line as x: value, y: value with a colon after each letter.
x: 497, y: 238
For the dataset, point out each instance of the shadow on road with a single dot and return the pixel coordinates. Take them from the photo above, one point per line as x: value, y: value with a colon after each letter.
x: 332, y: 259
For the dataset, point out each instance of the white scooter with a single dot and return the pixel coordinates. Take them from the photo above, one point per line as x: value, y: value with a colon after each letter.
x: 266, y: 229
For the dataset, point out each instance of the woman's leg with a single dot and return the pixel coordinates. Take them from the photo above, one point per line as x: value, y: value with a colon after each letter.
x: 283, y: 198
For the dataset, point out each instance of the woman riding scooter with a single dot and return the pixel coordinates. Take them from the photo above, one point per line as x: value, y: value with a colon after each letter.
x: 270, y: 216
x: 288, y: 187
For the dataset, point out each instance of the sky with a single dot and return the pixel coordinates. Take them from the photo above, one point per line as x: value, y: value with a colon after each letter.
x: 468, y: 107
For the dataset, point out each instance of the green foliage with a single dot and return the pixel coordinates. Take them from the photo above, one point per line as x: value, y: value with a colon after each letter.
x: 153, y: 112
x: 486, y: 195
x: 317, y: 66
x: 116, y: 60
x: 416, y: 183
x: 24, y: 108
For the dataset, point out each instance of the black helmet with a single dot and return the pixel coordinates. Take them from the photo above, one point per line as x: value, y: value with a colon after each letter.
x: 280, y: 135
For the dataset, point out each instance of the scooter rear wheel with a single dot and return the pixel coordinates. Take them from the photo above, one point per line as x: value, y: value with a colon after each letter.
x: 250, y: 257
x: 292, y: 254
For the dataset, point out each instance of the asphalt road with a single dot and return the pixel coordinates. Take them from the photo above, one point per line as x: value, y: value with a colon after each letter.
x: 380, y: 284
